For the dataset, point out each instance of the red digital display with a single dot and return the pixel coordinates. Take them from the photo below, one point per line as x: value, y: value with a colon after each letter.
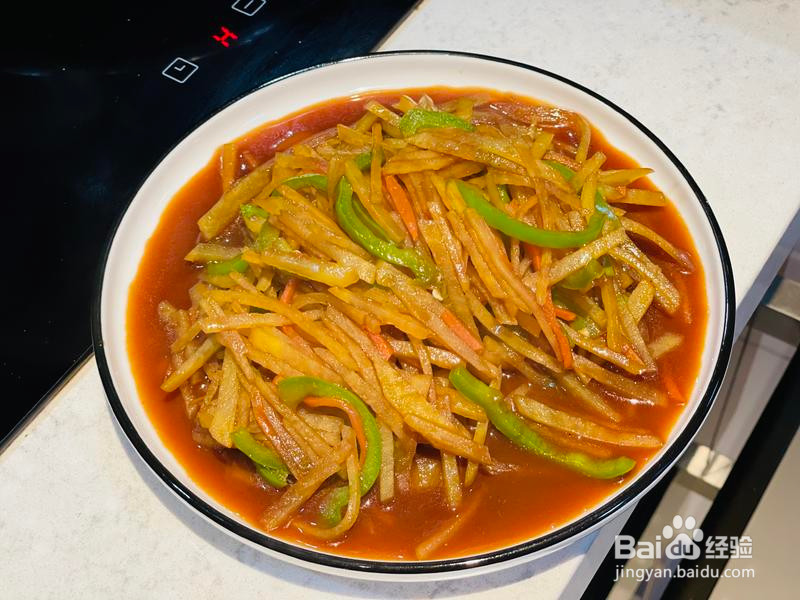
x: 225, y: 36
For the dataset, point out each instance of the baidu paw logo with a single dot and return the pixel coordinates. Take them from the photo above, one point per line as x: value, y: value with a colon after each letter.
x: 677, y: 541
x: 686, y: 536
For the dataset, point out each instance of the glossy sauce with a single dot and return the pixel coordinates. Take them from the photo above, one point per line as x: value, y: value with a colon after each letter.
x: 534, y: 498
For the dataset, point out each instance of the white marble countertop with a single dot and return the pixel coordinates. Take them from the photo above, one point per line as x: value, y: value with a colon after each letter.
x: 80, y: 513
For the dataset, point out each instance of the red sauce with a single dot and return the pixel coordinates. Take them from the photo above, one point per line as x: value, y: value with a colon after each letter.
x: 516, y: 506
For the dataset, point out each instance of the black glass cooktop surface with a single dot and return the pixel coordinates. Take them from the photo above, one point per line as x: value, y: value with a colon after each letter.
x: 91, y: 98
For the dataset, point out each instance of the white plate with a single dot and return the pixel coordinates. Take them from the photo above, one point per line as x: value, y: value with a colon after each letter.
x: 398, y: 70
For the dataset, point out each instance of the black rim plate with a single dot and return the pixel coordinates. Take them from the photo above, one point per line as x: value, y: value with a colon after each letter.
x: 547, y: 541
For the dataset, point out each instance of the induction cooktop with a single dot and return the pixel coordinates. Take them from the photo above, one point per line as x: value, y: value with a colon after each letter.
x: 92, y: 97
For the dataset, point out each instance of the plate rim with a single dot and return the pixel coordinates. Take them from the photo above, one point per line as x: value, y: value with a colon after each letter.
x: 548, y: 541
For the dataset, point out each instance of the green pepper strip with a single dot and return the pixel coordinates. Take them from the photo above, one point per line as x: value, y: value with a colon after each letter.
x: 360, y: 233
x: 268, y: 463
x: 502, y: 190
x: 582, y: 278
x: 564, y: 170
x: 582, y: 320
x: 561, y: 300
x: 501, y: 221
x: 366, y: 218
x: 307, y: 179
x: 600, y: 203
x: 608, y: 266
x: 364, y: 160
x: 253, y: 210
x: 318, y: 181
x: 223, y: 267
x: 418, y: 118
x: 293, y: 390
x: 577, y: 324
x: 267, y: 235
x: 514, y: 428
x: 321, y: 183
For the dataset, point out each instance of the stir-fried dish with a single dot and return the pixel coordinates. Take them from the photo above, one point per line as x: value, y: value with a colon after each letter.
x: 371, y: 321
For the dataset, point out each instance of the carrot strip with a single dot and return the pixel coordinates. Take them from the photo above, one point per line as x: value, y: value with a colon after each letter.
x: 249, y: 160
x: 563, y: 350
x: 289, y: 290
x: 352, y: 416
x: 402, y: 205
x: 673, y: 391
x: 381, y: 344
x: 287, y: 295
x: 563, y: 313
x: 534, y: 253
x: 631, y: 353
x: 461, y: 331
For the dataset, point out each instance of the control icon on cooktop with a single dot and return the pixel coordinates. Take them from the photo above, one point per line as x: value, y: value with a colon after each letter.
x: 248, y: 7
x: 179, y: 70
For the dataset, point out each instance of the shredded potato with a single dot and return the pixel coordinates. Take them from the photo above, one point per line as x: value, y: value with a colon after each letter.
x: 579, y: 426
x: 192, y: 364
x: 383, y: 256
x: 304, y: 488
x: 665, y: 344
x: 350, y: 515
x: 444, y: 534
x: 219, y: 215
x: 386, y: 484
